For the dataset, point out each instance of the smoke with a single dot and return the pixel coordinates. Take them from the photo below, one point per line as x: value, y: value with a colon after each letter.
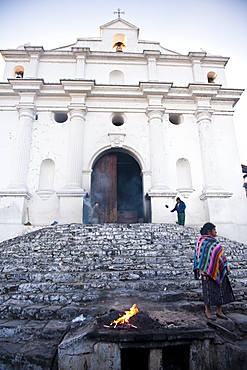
x: 130, y: 196
x: 87, y: 210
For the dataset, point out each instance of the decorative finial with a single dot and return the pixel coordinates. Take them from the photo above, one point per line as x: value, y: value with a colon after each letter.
x: 118, y: 12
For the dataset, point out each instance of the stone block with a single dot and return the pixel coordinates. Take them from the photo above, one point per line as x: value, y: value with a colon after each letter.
x: 240, y: 320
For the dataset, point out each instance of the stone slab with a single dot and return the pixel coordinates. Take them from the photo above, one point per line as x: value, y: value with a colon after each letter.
x: 240, y: 321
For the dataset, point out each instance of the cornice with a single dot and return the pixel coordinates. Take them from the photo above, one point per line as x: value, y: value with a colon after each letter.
x: 80, y: 50
x: 149, y: 88
x: 77, y: 85
x: 18, y: 192
x: 207, y: 194
x: 24, y: 54
x: 191, y: 94
x: 26, y: 84
x: 34, y: 49
x: 208, y: 90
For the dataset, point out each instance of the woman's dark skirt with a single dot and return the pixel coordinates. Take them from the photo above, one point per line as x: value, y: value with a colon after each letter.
x: 215, y: 294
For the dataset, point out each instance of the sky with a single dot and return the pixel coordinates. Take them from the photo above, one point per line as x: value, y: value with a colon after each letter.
x: 217, y: 26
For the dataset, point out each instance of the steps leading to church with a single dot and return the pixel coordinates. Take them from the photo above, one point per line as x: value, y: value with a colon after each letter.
x: 53, y: 275
x: 72, y: 265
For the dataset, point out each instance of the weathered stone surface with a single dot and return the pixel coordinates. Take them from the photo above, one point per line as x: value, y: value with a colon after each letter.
x: 51, y: 276
x: 240, y: 320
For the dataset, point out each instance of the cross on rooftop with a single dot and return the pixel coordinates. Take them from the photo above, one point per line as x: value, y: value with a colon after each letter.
x: 118, y: 12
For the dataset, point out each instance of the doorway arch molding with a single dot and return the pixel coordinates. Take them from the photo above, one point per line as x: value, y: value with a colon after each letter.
x: 127, y: 150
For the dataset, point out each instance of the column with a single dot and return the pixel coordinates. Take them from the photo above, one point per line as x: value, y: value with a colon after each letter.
x: 14, y: 198
x: 22, y: 148
x: 157, y: 148
x: 216, y: 200
x: 71, y: 197
x: 208, y: 151
x: 159, y: 193
x: 75, y: 149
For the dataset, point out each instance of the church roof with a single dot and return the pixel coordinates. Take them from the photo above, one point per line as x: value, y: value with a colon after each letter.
x: 119, y: 23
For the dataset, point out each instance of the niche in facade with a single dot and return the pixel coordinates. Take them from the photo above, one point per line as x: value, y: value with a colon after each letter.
x: 119, y: 42
x: 60, y: 117
x: 18, y: 72
x: 116, y: 78
x: 46, y: 179
x: 176, y: 119
x: 184, y: 177
x: 211, y: 77
x: 118, y: 119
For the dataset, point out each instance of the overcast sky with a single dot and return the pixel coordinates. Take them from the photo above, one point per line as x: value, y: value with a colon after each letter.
x: 217, y: 26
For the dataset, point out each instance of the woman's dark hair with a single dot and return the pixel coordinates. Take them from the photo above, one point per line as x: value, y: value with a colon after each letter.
x: 208, y: 226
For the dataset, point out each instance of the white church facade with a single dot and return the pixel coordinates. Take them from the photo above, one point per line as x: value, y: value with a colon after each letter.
x: 121, y: 121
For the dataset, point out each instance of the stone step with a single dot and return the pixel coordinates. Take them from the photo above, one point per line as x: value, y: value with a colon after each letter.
x: 33, y: 329
x: 28, y: 354
x: 131, y: 281
x: 112, y: 273
x: 41, y: 307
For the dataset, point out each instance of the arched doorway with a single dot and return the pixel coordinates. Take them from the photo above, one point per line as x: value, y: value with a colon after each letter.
x: 116, y: 183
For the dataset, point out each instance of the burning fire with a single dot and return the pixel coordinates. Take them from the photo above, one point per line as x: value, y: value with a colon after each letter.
x: 124, y: 319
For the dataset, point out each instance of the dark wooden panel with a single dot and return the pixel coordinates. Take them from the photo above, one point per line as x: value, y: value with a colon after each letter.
x: 104, y: 186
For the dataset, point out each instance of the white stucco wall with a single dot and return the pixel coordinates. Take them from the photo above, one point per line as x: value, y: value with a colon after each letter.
x: 147, y: 96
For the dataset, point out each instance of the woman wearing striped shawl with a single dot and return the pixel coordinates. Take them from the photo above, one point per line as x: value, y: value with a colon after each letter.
x: 210, y: 262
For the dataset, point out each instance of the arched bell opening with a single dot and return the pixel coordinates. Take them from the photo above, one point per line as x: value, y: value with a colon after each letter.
x: 116, y: 184
x: 119, y: 42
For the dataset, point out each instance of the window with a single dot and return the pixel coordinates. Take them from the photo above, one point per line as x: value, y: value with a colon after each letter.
x: 176, y: 119
x: 118, y: 119
x: 60, y: 117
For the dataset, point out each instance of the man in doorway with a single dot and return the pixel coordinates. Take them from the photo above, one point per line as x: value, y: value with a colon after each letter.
x: 96, y: 213
x: 180, y: 208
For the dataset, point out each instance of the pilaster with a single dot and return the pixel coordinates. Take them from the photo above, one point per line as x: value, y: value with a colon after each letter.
x: 151, y: 57
x: 71, y: 196
x: 196, y: 59
x: 80, y: 54
x: 35, y: 53
x: 159, y: 193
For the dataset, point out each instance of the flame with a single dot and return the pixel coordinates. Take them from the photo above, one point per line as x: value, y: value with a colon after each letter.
x: 124, y: 319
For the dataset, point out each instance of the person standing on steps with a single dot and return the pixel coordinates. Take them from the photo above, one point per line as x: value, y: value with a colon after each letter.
x: 96, y: 214
x: 211, y: 263
x: 180, y: 208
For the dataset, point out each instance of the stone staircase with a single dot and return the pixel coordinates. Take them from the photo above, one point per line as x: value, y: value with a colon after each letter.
x: 51, y: 276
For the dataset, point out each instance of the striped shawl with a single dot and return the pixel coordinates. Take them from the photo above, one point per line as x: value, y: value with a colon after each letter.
x: 210, y: 258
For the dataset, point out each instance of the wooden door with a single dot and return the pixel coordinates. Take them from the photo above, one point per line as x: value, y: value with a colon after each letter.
x: 104, y: 187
